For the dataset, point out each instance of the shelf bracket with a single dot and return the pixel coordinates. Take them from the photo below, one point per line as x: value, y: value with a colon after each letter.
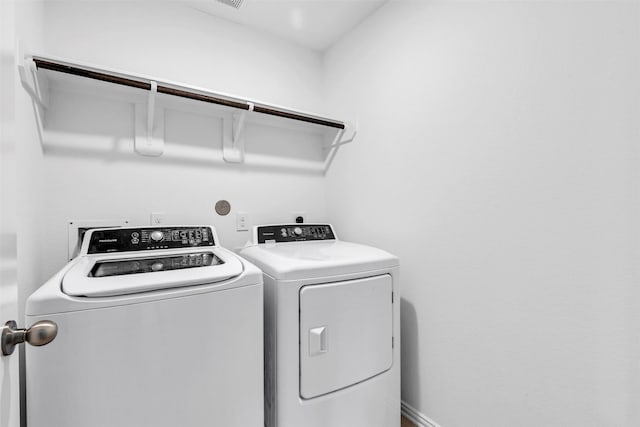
x: 233, y: 146
x: 36, y: 86
x: 31, y: 85
x: 149, y: 137
x: 338, y: 141
x: 151, y: 108
x: 238, y: 123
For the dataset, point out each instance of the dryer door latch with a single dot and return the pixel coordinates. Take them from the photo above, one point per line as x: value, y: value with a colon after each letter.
x: 317, y: 341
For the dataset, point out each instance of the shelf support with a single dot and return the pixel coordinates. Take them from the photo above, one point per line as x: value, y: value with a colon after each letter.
x: 151, y: 108
x: 36, y: 87
x: 338, y: 141
x: 147, y: 142
x: 350, y: 130
x: 31, y: 85
x: 238, y: 123
x: 233, y: 145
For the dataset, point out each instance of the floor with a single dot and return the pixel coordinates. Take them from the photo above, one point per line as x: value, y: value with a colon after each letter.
x: 406, y: 423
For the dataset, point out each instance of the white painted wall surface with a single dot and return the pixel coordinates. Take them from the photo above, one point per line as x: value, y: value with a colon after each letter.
x: 171, y: 42
x: 498, y: 157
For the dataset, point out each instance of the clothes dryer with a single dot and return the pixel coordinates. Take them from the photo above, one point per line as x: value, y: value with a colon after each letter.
x: 332, y: 328
x: 157, y: 327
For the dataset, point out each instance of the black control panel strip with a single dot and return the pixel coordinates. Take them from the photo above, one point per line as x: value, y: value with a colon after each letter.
x: 294, y: 233
x: 143, y: 239
x: 150, y: 265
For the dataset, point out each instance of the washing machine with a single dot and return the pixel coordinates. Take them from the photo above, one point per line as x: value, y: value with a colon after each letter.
x: 332, y: 328
x: 157, y: 326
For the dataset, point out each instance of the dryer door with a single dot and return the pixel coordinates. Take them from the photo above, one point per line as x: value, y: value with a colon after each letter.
x: 346, y: 331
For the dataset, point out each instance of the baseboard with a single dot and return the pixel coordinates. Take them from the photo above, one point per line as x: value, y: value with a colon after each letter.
x: 416, y: 417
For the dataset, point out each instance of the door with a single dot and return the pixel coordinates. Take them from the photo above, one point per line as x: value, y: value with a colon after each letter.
x: 9, y: 394
x: 346, y: 333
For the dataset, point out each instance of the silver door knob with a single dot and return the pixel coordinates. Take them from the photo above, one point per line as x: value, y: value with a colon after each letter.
x: 40, y: 333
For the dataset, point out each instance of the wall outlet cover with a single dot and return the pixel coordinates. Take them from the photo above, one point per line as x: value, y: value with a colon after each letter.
x: 242, y: 221
x: 157, y: 218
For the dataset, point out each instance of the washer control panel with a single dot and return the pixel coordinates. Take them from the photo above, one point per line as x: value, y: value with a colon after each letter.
x: 294, y: 233
x: 145, y: 239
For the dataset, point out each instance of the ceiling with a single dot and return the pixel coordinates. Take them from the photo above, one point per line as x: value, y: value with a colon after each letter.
x: 315, y: 24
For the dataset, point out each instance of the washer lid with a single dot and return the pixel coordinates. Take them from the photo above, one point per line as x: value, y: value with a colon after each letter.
x: 126, y: 273
x: 302, y: 260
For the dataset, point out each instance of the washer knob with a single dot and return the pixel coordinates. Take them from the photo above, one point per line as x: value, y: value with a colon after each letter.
x: 157, y: 235
x: 297, y: 231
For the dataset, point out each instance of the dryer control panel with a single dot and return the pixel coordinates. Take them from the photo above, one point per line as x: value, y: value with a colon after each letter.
x: 294, y: 233
x: 148, y: 238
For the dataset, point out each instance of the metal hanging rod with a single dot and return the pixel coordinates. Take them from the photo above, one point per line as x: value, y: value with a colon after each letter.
x: 183, y: 93
x: 76, y: 71
x: 288, y: 115
x: 201, y: 97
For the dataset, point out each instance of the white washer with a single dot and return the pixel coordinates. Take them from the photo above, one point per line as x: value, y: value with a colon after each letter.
x: 332, y: 328
x: 157, y: 326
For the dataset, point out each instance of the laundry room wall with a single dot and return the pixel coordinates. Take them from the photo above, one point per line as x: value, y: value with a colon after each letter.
x: 173, y: 42
x: 497, y: 155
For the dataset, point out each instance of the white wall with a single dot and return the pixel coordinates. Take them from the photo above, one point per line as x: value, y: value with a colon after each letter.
x: 171, y: 42
x: 498, y: 157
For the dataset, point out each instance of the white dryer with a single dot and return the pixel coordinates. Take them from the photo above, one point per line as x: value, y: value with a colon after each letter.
x: 332, y: 328
x: 157, y: 326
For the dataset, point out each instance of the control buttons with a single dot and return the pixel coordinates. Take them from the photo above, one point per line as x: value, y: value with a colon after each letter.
x: 157, y: 235
x: 294, y: 233
x: 135, y: 238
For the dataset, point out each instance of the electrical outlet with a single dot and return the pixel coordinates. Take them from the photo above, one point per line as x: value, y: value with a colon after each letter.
x: 242, y: 221
x: 157, y: 218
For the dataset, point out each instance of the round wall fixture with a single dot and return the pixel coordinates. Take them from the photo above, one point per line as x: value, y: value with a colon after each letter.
x: 223, y: 207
